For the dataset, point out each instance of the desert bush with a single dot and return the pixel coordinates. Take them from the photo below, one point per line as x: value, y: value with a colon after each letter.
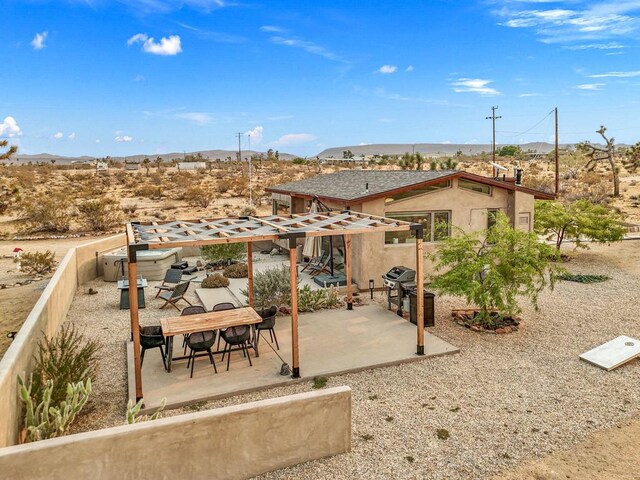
x: 313, y: 300
x: 247, y: 211
x: 45, y: 213
x: 215, y: 281
x: 271, y: 286
x: 37, y: 262
x: 236, y: 270
x: 199, y: 197
x: 223, y: 185
x: 583, y: 278
x: 224, y: 251
x: 153, y: 192
x: 65, y: 359
x: 240, y: 185
x: 130, y: 208
x: 48, y: 418
x: 100, y: 214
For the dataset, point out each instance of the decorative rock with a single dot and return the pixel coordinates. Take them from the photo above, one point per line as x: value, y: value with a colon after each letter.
x: 476, y: 328
x: 501, y: 330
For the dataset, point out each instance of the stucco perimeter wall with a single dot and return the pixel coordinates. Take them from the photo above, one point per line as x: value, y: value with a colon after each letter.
x: 89, y: 256
x: 49, y: 312
x: 234, y: 442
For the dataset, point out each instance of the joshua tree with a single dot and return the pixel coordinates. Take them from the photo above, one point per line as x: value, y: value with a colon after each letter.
x: 632, y: 158
x: 12, y: 149
x: 597, y: 154
x: 146, y: 163
x: 158, y: 162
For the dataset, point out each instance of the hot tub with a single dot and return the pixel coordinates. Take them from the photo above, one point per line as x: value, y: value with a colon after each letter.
x: 152, y: 264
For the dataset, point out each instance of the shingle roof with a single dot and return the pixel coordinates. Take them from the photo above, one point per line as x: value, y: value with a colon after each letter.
x: 351, y: 184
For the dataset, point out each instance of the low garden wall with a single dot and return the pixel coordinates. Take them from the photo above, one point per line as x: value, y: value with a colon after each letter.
x: 234, y: 442
x: 78, y: 266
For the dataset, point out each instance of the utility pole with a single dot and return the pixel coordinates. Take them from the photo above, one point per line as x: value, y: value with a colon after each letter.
x: 556, y: 156
x: 250, y: 168
x: 493, y: 143
x: 239, y: 148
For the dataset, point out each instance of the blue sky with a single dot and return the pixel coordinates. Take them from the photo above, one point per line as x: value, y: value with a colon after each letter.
x: 105, y: 77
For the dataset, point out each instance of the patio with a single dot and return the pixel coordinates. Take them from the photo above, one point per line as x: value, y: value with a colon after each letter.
x: 331, y: 342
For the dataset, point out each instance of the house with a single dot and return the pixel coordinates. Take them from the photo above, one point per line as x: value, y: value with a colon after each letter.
x: 192, y: 165
x: 432, y: 197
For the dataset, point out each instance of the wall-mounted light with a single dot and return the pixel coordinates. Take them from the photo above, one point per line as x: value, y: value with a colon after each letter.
x: 371, y: 286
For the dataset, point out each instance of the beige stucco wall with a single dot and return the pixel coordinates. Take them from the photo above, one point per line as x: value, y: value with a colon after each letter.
x: 47, y: 315
x: 228, y: 443
x: 89, y: 256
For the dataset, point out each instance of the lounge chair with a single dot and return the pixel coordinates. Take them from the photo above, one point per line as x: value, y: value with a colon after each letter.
x: 318, y: 269
x: 315, y: 261
x: 174, y: 296
x: 172, y: 277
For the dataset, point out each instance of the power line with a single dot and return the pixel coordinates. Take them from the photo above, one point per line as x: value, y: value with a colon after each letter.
x: 493, y: 118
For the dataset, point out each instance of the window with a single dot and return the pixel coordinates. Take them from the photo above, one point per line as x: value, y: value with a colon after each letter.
x: 492, y: 217
x: 437, y: 225
x: 418, y: 191
x: 474, y: 186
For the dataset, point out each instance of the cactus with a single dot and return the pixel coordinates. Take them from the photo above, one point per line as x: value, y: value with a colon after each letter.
x: 134, y: 410
x: 47, y: 421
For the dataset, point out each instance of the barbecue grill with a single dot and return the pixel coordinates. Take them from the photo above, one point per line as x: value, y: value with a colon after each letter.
x: 399, y: 280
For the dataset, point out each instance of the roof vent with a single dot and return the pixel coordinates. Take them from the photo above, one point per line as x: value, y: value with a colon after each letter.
x: 366, y: 187
x: 519, y: 173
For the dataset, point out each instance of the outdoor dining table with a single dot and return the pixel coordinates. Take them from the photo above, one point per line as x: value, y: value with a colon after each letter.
x: 203, y: 322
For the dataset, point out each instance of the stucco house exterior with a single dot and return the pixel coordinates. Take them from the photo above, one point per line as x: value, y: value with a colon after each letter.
x: 434, y: 198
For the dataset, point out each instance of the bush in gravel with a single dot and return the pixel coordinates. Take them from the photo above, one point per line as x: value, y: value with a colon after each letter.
x: 100, y: 214
x: 65, y: 359
x: 236, y: 270
x: 442, y: 433
x: 224, y: 252
x: 494, y: 269
x: 313, y: 300
x: 215, y: 281
x: 320, y: 382
x: 37, y: 262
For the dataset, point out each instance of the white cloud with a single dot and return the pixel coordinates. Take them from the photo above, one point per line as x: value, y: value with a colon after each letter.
x: 271, y: 29
x: 123, y: 138
x: 139, y: 78
x: 590, y: 86
x: 201, y: 118
x: 9, y: 128
x: 38, y: 41
x: 446, y: 142
x: 635, y: 73
x: 386, y: 69
x: 409, y: 68
x: 98, y: 140
x: 167, y: 46
x: 533, y: 94
x: 57, y: 135
x: 72, y: 136
x: 474, y: 85
x: 256, y: 135
x: 168, y: 6
x: 308, y: 47
x: 293, y: 139
x: 596, y: 46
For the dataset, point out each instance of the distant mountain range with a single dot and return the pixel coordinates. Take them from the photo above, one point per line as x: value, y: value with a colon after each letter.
x: 167, y: 157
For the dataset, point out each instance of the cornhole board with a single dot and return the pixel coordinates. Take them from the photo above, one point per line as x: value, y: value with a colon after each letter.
x: 614, y: 353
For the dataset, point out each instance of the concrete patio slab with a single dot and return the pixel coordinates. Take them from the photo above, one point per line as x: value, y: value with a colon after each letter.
x: 331, y: 342
x: 212, y: 296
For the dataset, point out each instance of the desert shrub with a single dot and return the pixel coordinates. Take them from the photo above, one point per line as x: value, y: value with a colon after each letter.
x: 45, y: 213
x: 313, y: 300
x: 198, y: 197
x: 240, y: 185
x: 215, y: 281
x: 153, y: 192
x: 47, y: 418
x: 100, y: 214
x: 271, y: 286
x: 247, y: 211
x: 37, y: 262
x: 130, y: 208
x: 224, y: 251
x: 236, y: 270
x: 65, y: 359
x: 223, y: 185
x: 583, y: 278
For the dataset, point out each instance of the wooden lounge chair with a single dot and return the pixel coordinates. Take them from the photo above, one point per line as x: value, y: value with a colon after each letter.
x: 315, y: 261
x: 174, y: 296
x: 318, y: 269
x: 172, y: 277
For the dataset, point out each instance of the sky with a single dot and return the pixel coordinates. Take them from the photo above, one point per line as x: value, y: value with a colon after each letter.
x: 109, y: 77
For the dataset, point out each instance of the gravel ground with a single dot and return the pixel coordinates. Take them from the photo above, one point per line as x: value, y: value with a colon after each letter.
x: 503, y: 399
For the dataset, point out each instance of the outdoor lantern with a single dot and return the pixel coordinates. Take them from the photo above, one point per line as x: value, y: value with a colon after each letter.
x: 371, y: 285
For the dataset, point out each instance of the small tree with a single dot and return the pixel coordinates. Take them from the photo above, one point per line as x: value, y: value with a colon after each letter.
x: 224, y: 252
x: 493, y: 269
x: 598, y: 154
x: 37, y: 262
x: 509, y: 151
x: 10, y: 151
x: 632, y: 158
x: 580, y: 220
x: 146, y: 163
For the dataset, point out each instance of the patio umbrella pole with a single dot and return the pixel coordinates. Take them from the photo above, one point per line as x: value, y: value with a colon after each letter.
x: 293, y: 269
x: 135, y: 325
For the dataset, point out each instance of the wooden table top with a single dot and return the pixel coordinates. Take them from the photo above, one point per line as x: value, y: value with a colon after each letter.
x: 209, y: 321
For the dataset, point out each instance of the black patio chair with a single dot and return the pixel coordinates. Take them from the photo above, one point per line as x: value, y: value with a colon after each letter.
x: 151, y: 337
x: 236, y: 336
x: 201, y: 342
x: 268, y: 323
x: 172, y: 278
x: 315, y: 261
x: 218, y: 307
x: 192, y: 310
x: 174, y: 296
x: 321, y: 268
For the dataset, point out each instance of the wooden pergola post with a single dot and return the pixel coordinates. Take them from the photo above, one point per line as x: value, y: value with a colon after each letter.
x: 293, y: 268
x: 347, y: 263
x: 135, y: 325
x: 420, y: 290
x: 250, y: 273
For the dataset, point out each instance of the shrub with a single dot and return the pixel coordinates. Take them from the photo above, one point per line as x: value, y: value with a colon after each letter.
x: 320, y: 382
x: 313, y: 300
x: 50, y: 419
x: 100, y: 214
x: 149, y: 191
x: 198, y: 197
x: 271, y: 286
x: 130, y: 208
x: 247, y: 211
x: 224, y: 251
x: 223, y: 186
x: 581, y: 278
x: 37, y: 262
x: 65, y: 359
x: 45, y: 213
x: 215, y: 281
x: 236, y: 270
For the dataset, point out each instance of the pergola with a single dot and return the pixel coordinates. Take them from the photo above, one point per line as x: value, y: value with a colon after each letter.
x: 155, y: 235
